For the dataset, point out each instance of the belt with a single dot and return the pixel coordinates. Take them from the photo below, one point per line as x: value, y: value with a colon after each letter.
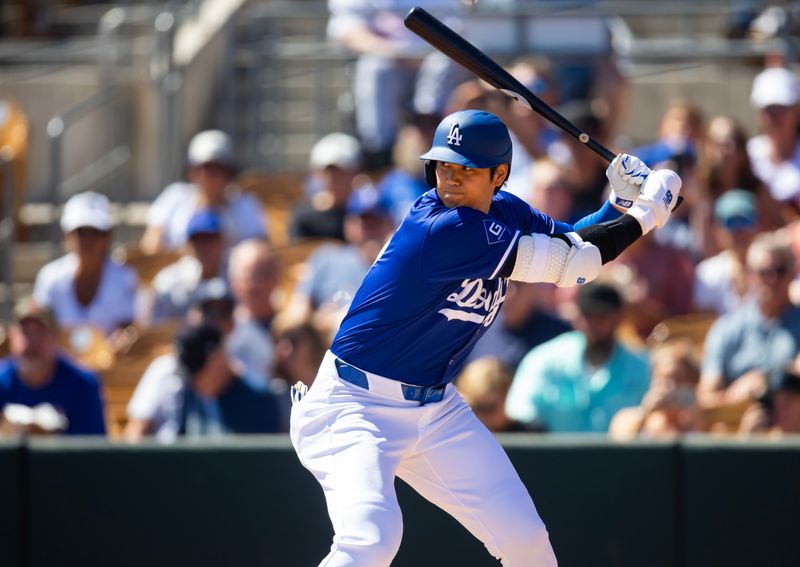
x: 422, y: 394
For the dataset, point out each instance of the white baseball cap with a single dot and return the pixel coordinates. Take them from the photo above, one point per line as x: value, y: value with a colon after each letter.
x: 337, y: 149
x: 775, y: 86
x: 211, y: 146
x: 87, y: 209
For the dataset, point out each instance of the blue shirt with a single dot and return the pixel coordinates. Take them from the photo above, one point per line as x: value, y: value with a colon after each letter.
x: 434, y: 290
x: 73, y: 391
x: 745, y: 340
x: 555, y: 386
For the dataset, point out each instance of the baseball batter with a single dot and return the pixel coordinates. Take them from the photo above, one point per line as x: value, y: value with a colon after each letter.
x: 382, y: 404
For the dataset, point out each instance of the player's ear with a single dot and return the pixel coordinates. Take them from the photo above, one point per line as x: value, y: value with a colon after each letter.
x: 500, y: 175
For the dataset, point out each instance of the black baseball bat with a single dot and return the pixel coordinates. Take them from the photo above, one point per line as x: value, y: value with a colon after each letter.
x: 463, y: 52
x: 473, y: 59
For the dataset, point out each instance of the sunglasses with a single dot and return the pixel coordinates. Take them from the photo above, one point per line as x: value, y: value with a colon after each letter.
x: 779, y: 271
x: 89, y: 232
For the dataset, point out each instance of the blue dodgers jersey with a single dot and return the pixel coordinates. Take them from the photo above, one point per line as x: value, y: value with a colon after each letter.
x: 434, y: 290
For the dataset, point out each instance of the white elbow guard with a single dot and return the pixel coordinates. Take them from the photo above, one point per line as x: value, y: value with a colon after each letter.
x: 542, y: 259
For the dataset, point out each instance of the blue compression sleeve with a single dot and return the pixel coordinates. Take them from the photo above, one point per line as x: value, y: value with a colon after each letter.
x: 603, y: 214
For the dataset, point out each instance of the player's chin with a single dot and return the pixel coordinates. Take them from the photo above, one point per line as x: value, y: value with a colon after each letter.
x: 452, y: 199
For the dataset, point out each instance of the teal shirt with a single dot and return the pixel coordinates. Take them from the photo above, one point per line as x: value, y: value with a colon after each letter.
x: 556, y: 387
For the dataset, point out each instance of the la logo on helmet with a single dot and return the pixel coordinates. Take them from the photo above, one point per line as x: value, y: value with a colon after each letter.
x: 454, y: 137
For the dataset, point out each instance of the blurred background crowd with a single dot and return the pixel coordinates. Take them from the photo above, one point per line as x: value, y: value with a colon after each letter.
x: 190, y: 308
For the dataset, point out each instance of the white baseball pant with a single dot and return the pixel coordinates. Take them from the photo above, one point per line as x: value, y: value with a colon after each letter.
x: 355, y: 441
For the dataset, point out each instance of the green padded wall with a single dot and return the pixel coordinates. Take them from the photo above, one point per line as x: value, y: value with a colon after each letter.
x: 11, y: 490
x: 741, y: 503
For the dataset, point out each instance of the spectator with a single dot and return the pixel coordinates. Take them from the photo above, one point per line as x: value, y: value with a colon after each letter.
x: 254, y: 272
x: 550, y: 192
x: 656, y: 279
x: 85, y: 286
x: 577, y: 381
x: 335, y: 161
x: 679, y: 132
x: 212, y: 167
x: 484, y: 385
x: 520, y: 326
x: 585, y: 173
x: 212, y: 304
x: 334, y: 272
x: 670, y: 405
x: 720, y: 283
x: 778, y: 411
x: 394, y: 67
x: 299, y: 349
x: 724, y: 161
x: 747, y: 348
x: 405, y: 182
x: 37, y: 376
x: 174, y: 285
x: 204, y: 397
x: 725, y: 165
x: 775, y: 154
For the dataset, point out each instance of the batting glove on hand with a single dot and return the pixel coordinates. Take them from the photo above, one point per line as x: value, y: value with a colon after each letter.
x: 299, y: 390
x: 626, y: 174
x: 659, y: 198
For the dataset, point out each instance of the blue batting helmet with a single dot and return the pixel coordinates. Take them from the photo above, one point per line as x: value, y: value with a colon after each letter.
x: 472, y: 138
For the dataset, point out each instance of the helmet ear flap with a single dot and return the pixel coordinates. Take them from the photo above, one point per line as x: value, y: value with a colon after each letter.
x: 430, y: 173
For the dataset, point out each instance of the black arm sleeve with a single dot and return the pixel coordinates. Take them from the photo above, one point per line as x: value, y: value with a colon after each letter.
x: 610, y: 237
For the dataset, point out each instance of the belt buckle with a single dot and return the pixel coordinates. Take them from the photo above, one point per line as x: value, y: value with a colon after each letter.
x: 431, y: 394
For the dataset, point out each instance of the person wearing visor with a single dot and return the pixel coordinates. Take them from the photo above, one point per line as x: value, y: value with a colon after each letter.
x: 86, y: 287
x: 383, y: 404
x: 212, y: 167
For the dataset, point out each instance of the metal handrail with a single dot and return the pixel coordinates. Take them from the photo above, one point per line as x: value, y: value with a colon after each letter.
x: 56, y: 130
x: 7, y: 236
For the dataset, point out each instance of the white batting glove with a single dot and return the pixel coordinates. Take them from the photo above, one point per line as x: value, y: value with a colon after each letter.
x: 299, y: 391
x: 659, y: 196
x: 626, y: 174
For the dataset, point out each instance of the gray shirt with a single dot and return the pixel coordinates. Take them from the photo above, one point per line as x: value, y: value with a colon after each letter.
x: 745, y: 340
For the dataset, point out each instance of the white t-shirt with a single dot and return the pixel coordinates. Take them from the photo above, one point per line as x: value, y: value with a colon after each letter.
x: 252, y: 346
x: 172, y: 289
x: 242, y: 216
x: 114, y: 302
x: 782, y: 179
x: 385, y: 18
x: 157, y: 397
x: 713, y: 285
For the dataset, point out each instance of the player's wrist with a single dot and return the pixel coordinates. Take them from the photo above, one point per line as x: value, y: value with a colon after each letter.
x: 646, y: 217
x: 620, y: 202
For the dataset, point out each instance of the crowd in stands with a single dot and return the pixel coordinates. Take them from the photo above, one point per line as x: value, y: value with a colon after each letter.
x: 694, y: 329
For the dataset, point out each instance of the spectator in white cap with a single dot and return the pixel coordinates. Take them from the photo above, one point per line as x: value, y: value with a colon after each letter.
x: 775, y: 154
x: 86, y: 287
x: 212, y: 167
x: 335, y: 161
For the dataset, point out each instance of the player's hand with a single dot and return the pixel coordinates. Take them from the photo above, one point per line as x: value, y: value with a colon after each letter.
x: 626, y: 174
x: 658, y: 198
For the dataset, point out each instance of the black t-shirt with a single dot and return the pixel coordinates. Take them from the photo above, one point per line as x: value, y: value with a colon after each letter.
x: 308, y: 222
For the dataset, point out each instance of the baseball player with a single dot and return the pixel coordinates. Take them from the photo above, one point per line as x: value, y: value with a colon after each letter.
x: 382, y: 404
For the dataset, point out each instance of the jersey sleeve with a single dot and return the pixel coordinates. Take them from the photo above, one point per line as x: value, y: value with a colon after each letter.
x: 466, y: 243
